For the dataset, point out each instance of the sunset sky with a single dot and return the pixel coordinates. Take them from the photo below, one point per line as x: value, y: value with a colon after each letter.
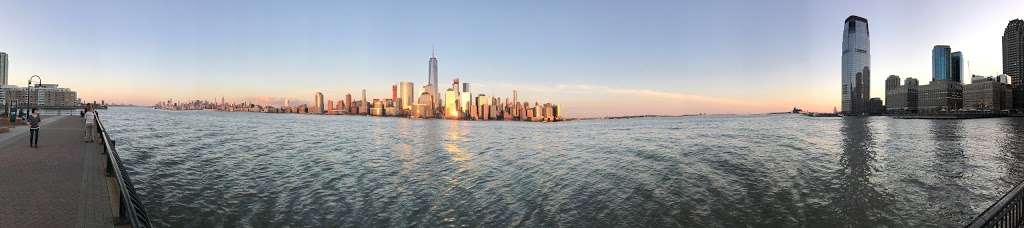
x: 595, y: 58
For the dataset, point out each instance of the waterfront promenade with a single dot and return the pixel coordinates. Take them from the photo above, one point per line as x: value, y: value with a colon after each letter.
x: 59, y: 184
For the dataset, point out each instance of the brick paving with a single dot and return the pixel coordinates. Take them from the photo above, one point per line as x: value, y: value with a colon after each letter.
x: 59, y: 184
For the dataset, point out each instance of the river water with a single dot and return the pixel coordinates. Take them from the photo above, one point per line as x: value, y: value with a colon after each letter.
x: 218, y: 169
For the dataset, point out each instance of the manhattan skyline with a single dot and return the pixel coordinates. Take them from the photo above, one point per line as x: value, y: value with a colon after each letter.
x: 595, y: 58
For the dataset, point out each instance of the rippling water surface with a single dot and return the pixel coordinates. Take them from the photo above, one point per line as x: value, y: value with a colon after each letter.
x: 215, y: 169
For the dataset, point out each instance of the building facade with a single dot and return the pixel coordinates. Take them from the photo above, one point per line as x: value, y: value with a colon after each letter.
x: 985, y: 93
x: 941, y: 63
x: 405, y: 96
x: 940, y: 96
x: 1013, y: 59
x: 856, y: 71
x: 41, y: 95
x: 3, y: 69
x: 957, y: 67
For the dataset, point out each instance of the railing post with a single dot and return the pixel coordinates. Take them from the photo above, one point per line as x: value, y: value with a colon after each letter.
x: 121, y: 211
x: 110, y: 165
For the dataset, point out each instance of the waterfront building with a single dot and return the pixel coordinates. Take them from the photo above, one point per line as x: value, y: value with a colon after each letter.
x: 875, y: 106
x: 405, y: 96
x: 940, y: 96
x: 985, y: 93
x: 856, y: 66
x: 451, y: 104
x: 893, y: 100
x: 39, y: 95
x: 423, y: 107
x: 1013, y: 59
x: 3, y: 69
x: 941, y: 63
x: 318, y: 103
x: 377, y: 108
x: 902, y: 98
x: 330, y: 106
x: 891, y: 84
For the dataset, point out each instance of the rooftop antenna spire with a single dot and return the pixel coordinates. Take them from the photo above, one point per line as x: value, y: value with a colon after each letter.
x: 433, y: 51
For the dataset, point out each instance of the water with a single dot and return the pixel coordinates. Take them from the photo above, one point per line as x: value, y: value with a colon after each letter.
x: 214, y: 169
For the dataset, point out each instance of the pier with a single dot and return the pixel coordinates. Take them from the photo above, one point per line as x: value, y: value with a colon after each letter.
x: 65, y: 182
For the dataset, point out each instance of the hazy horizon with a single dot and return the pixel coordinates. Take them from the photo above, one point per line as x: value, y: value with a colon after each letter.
x: 594, y: 58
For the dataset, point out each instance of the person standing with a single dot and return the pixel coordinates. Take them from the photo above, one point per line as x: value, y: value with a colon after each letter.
x: 90, y: 124
x: 33, y: 129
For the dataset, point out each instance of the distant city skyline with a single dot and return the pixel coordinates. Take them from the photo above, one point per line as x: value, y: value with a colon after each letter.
x: 594, y: 58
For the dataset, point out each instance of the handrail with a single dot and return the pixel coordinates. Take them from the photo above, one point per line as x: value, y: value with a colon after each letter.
x: 130, y: 209
x: 1007, y: 212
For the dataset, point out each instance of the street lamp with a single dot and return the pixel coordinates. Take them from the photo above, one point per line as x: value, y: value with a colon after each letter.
x: 38, y: 81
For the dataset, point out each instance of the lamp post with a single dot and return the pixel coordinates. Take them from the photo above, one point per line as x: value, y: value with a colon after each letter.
x: 32, y: 104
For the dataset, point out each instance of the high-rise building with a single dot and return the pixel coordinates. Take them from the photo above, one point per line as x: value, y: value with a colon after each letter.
x: 348, y: 102
x: 318, y: 103
x: 432, y: 79
x: 405, y: 96
x: 394, y: 92
x: 1013, y: 59
x: 941, y: 63
x: 364, y: 105
x: 451, y: 104
x: 466, y: 99
x: 856, y: 72
x: 956, y: 66
x: 892, y: 83
x: 3, y: 69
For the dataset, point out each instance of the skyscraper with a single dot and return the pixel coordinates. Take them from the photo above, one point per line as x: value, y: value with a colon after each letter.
x: 956, y: 67
x: 3, y: 68
x: 394, y: 92
x: 1013, y: 59
x: 941, y: 61
x: 318, y: 103
x: 364, y: 105
x: 432, y: 79
x: 405, y: 95
x: 856, y: 72
x: 465, y: 98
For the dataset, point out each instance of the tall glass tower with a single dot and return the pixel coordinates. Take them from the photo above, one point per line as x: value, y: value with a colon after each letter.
x: 856, y: 70
x: 956, y: 67
x: 1013, y: 59
x: 432, y: 78
x: 941, y: 63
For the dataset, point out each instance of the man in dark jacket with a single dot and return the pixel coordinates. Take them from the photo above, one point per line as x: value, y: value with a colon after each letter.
x: 33, y: 128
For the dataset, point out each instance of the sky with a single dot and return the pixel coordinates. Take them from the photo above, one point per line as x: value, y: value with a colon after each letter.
x: 593, y: 58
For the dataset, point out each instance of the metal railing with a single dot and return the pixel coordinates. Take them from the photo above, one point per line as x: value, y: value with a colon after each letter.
x: 1007, y: 212
x: 130, y: 209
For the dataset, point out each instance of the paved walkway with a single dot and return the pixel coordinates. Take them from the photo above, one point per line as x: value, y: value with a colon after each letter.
x: 59, y: 184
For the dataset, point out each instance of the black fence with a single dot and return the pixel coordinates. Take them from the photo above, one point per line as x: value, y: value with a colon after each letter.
x: 1007, y: 212
x: 130, y: 209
